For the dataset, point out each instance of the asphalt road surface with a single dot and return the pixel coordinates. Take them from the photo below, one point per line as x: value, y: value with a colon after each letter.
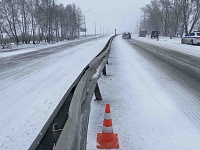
x: 183, y: 69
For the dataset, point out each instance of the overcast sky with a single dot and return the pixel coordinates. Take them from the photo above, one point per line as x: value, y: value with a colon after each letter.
x: 112, y: 14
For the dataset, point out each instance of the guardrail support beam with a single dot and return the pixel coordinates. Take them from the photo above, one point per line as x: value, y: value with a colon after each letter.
x: 56, y: 132
x: 97, y: 92
x: 104, y: 70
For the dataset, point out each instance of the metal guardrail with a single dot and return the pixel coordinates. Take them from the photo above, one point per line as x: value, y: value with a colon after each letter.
x: 72, y: 113
x: 74, y: 133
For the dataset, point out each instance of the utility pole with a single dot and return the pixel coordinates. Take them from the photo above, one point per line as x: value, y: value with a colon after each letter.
x: 100, y: 28
x: 85, y: 25
x: 85, y: 22
x: 144, y: 21
x: 95, y: 26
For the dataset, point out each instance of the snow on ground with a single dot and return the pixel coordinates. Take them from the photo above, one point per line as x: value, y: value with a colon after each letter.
x: 31, y: 91
x: 144, y: 112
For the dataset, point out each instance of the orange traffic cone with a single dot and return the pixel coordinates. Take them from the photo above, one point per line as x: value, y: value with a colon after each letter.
x: 107, y: 139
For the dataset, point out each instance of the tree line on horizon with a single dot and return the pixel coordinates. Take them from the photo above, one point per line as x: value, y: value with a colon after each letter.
x: 171, y: 17
x: 34, y: 21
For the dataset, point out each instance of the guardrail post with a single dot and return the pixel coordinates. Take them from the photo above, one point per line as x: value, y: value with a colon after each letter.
x: 97, y: 92
x: 56, y: 132
x: 104, y: 70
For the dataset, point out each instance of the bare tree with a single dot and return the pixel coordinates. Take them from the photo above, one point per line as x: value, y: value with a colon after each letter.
x: 172, y: 16
x: 11, y: 22
x: 152, y: 17
x: 38, y: 20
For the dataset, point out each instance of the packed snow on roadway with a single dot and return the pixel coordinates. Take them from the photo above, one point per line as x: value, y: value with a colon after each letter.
x: 145, y: 115
x: 150, y: 110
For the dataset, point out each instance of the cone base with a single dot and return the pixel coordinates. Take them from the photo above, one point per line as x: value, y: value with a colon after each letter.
x: 102, y: 144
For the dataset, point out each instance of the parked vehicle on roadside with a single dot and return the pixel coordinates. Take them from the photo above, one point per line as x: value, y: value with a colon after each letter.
x: 142, y: 33
x: 192, y: 38
x: 126, y: 35
x: 154, y: 34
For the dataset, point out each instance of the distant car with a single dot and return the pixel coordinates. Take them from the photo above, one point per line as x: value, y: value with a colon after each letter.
x: 142, y: 33
x: 192, y: 38
x: 126, y: 35
x: 154, y: 34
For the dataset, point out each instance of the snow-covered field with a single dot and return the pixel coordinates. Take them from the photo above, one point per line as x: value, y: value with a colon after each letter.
x: 30, y: 92
x: 148, y: 107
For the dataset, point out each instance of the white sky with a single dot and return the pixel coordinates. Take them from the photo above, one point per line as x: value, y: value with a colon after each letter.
x: 111, y: 14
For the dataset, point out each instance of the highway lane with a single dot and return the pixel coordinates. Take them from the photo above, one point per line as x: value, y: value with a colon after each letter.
x: 154, y: 96
x: 179, y: 65
x: 12, y: 61
x: 33, y: 83
x: 182, y: 70
x: 16, y: 66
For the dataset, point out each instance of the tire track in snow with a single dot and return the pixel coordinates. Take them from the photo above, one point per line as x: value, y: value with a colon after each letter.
x: 167, y: 63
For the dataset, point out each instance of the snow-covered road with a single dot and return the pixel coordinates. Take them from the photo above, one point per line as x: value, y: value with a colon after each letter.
x: 151, y: 110
x: 30, y: 90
